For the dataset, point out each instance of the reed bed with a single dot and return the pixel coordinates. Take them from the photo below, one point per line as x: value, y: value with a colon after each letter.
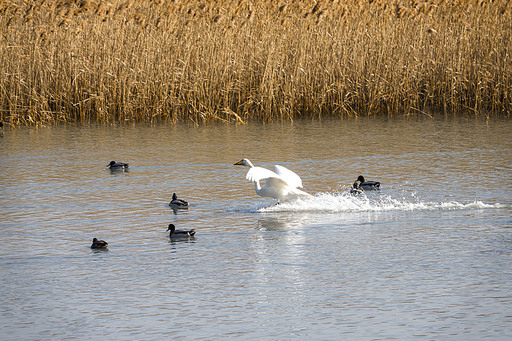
x: 241, y: 60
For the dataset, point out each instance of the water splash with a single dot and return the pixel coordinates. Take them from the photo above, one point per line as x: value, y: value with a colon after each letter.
x: 344, y: 202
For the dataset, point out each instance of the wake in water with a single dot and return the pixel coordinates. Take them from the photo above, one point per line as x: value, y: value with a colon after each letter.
x: 345, y: 202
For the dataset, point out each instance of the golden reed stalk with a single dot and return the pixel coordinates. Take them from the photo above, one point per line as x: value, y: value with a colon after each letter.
x: 239, y: 60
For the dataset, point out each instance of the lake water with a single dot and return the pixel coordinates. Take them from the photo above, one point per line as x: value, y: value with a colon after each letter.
x: 429, y: 256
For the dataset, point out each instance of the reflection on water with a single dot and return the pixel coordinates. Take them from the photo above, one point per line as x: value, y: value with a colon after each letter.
x: 283, y: 221
x: 426, y: 256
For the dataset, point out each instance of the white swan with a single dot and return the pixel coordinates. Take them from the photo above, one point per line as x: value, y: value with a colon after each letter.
x: 283, y: 184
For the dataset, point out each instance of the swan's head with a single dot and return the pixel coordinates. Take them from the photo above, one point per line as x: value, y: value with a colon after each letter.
x: 245, y: 162
x: 360, y: 178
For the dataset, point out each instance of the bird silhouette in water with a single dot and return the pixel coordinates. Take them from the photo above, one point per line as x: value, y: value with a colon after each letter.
x: 99, y: 244
x: 360, y: 185
x: 178, y: 203
x: 117, y: 165
x: 174, y: 234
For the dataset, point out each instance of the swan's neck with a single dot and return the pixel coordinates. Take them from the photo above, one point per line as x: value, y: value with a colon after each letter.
x: 249, y: 164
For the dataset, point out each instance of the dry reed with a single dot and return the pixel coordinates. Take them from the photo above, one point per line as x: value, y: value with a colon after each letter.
x: 239, y: 60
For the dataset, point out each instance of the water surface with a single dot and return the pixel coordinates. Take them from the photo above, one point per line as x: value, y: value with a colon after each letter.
x: 427, y: 257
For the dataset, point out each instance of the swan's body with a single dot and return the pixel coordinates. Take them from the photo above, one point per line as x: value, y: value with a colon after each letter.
x: 283, y: 184
x: 361, y: 184
x: 175, y: 234
x: 178, y: 203
x: 99, y: 244
x: 117, y: 165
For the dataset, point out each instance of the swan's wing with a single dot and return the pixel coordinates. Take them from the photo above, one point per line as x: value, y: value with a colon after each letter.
x: 277, y: 183
x: 260, y: 173
x: 287, y: 175
x: 275, y: 188
x: 281, y: 190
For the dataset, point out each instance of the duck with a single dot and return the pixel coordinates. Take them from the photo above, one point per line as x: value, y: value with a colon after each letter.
x: 361, y: 184
x: 356, y: 190
x: 178, y: 203
x: 174, y: 234
x: 99, y: 244
x: 117, y: 165
x: 283, y: 184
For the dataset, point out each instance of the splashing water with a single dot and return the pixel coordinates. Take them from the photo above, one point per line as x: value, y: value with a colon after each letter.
x: 345, y: 202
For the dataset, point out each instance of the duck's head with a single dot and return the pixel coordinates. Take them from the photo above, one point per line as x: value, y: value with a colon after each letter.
x: 356, y: 185
x: 174, y: 196
x: 111, y: 163
x: 171, y: 228
x: 360, y: 178
x: 244, y: 162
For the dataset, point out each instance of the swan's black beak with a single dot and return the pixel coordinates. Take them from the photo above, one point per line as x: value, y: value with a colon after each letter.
x: 238, y: 163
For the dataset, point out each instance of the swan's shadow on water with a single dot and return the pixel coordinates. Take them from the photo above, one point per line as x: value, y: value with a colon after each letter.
x: 283, y: 221
x: 291, y: 221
